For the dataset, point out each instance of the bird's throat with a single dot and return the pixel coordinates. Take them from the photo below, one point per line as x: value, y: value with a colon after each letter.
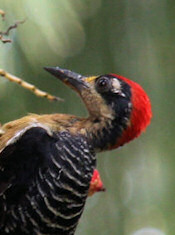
x: 104, y: 133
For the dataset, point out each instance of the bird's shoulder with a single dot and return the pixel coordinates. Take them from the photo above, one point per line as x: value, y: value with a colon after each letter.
x: 12, y: 131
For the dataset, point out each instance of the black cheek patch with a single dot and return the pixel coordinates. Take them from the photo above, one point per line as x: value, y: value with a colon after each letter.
x: 122, y: 110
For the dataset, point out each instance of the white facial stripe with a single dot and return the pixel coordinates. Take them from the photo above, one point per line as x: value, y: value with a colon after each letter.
x: 116, y: 85
x: 117, y: 88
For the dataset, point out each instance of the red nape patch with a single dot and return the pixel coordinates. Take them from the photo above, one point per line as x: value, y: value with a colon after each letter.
x: 141, y: 112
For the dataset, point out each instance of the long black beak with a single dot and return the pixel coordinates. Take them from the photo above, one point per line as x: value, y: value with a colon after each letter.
x: 75, y: 80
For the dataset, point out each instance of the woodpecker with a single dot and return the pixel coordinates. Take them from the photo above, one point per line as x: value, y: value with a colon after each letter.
x: 47, y: 161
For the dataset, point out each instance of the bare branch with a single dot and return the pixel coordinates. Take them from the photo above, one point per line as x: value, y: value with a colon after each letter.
x: 28, y: 86
x: 15, y: 79
x: 6, y: 33
x: 15, y: 25
x: 4, y: 40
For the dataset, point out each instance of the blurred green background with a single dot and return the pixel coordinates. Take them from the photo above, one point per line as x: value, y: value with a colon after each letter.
x: 133, y: 38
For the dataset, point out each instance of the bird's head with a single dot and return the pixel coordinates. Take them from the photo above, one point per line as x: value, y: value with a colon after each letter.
x: 120, y: 103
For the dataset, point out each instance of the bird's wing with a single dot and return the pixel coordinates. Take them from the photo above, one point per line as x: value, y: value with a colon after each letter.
x: 26, y: 161
x: 20, y: 159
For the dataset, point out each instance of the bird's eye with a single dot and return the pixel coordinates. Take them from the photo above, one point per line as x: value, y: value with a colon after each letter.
x: 103, y: 84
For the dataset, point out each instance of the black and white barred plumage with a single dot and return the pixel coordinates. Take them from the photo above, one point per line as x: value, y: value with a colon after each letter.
x: 44, y: 181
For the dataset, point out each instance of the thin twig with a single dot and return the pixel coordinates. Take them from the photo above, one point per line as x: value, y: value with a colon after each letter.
x: 6, y: 33
x: 28, y: 86
x: 4, y: 40
x: 15, y: 25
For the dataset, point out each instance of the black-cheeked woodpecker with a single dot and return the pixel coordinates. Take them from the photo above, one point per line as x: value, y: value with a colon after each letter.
x: 47, y: 161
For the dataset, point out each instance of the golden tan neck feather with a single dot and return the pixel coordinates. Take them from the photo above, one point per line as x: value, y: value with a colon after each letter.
x: 100, y: 114
x: 52, y: 122
x: 94, y: 102
x: 11, y: 131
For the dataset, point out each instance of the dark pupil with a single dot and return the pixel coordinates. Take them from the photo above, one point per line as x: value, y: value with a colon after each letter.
x: 102, y: 83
